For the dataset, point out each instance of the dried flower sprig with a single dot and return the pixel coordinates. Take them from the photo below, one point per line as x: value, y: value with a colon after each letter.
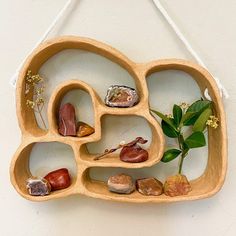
x: 35, y: 85
x: 212, y: 122
x: 121, y: 145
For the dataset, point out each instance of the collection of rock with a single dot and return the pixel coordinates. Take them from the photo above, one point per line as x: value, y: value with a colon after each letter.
x: 68, y: 125
x: 122, y: 97
x: 55, y: 180
x: 174, y: 186
x: 124, y: 184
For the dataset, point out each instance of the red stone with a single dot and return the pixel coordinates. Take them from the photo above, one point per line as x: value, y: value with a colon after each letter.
x: 67, y: 120
x: 58, y: 179
x: 133, y: 154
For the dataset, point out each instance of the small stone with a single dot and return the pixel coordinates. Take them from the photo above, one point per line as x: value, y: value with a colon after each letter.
x: 38, y: 186
x: 84, y: 129
x: 121, y: 96
x: 67, y: 120
x: 121, y: 183
x: 149, y: 186
x: 59, y: 179
x: 133, y: 154
x: 177, y: 185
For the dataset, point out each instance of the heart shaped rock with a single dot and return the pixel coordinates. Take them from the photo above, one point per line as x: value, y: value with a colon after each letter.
x: 133, y: 154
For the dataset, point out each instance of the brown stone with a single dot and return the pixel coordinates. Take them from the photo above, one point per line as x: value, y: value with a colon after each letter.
x: 58, y: 179
x: 121, y: 96
x: 121, y: 183
x: 177, y: 185
x: 84, y: 129
x: 38, y: 186
x: 149, y: 186
x: 133, y: 154
x: 67, y: 120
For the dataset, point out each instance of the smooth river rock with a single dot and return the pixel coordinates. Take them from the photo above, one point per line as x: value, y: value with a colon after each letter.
x: 59, y: 179
x: 121, y: 183
x: 149, y: 186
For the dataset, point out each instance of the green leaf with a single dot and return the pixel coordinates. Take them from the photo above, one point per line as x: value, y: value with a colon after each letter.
x: 164, y: 117
x: 195, y: 140
x: 194, y: 111
x: 189, y: 118
x: 199, y: 106
x: 177, y: 114
x: 200, y: 124
x: 169, y: 130
x: 170, y: 155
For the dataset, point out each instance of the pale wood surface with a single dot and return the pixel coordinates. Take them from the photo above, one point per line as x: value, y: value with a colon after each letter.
x: 204, y: 186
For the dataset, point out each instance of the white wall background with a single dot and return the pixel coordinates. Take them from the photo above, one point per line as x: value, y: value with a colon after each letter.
x: 137, y: 29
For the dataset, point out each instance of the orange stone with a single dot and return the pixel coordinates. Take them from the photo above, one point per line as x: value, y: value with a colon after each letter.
x: 177, y: 185
x: 84, y: 129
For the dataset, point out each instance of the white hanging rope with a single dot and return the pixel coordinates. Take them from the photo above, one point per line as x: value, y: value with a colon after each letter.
x: 45, y: 35
x: 159, y: 6
x: 223, y: 91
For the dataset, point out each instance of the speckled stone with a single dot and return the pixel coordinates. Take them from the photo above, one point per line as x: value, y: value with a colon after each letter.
x: 149, y: 186
x: 84, y: 129
x: 177, y: 185
x: 121, y: 183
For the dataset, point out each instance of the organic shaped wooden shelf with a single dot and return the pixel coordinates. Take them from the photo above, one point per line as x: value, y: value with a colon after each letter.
x: 205, y: 186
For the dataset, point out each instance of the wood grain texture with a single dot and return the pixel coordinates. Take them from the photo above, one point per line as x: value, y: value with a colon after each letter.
x: 205, y: 186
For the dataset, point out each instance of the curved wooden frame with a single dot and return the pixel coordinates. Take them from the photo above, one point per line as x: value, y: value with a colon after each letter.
x: 204, y: 186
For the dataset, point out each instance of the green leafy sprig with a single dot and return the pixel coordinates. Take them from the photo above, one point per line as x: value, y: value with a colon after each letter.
x: 198, y: 116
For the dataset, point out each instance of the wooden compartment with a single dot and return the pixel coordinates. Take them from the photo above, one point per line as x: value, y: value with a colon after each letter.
x: 204, y: 186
